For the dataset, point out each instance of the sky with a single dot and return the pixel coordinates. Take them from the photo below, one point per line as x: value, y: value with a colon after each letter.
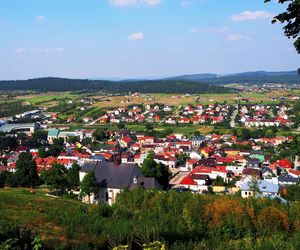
x: 140, y: 38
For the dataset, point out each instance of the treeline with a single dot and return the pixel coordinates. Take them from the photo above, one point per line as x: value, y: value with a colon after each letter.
x: 11, y: 108
x: 144, y: 86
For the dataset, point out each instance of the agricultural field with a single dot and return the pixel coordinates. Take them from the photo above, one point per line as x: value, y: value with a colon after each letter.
x: 46, y: 98
x: 101, y: 101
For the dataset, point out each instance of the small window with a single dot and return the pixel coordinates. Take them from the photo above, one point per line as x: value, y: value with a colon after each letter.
x: 245, y: 193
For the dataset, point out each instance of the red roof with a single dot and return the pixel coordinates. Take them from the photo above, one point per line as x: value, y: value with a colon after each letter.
x: 126, y: 139
x: 284, y: 163
x: 294, y: 172
x: 188, y: 181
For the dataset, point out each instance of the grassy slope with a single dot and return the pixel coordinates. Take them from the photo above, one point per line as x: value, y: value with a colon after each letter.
x: 35, y: 210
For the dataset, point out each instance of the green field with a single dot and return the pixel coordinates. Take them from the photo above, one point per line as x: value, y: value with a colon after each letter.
x: 47, y: 97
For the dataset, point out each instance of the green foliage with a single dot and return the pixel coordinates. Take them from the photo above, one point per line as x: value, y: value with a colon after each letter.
x: 142, y: 218
x: 26, y: 171
x: 100, y: 134
x: 16, y: 237
x: 60, y: 178
x: 291, y: 148
x: 73, y: 176
x: 291, y: 19
x: 12, y: 108
x: 219, y: 181
x: 89, y: 185
x: 7, y: 143
x: 143, y: 86
x: 151, y: 168
x: 254, y: 185
x: 292, y: 193
x: 55, y: 177
x: 182, y: 158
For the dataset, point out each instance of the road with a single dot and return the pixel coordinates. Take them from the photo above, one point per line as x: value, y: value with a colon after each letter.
x: 234, y: 114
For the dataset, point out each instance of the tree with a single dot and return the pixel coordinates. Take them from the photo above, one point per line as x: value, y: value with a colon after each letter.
x: 291, y: 148
x: 254, y: 186
x: 100, y: 134
x: 245, y: 134
x: 7, y: 143
x: 26, y: 173
x: 121, y: 125
x: 182, y: 158
x: 151, y: 168
x: 219, y: 181
x: 149, y: 127
x: 42, y: 152
x: 291, y: 19
x: 89, y: 185
x: 73, y: 176
x: 55, y: 177
x: 72, y: 139
x: 55, y: 150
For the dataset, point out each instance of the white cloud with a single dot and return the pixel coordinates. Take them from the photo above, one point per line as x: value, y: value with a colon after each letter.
x: 237, y: 38
x: 210, y: 30
x: 40, y: 18
x: 19, y: 50
x: 122, y: 3
x: 251, y: 15
x: 60, y: 49
x: 136, y: 36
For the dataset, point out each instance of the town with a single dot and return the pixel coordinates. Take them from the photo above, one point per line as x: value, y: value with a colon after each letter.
x: 248, y: 145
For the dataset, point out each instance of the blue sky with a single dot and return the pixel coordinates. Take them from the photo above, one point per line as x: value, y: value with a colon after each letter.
x: 140, y: 38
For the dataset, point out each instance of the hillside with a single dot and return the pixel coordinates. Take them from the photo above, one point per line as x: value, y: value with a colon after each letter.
x: 179, y: 220
x: 143, y: 86
x: 194, y: 84
x: 194, y: 77
x: 256, y: 77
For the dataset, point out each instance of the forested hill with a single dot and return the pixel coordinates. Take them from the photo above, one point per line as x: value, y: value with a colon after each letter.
x: 257, y: 77
x: 143, y: 86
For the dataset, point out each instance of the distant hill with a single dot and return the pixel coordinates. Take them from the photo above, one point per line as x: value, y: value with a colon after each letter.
x: 194, y: 77
x: 256, y: 77
x: 196, y: 83
x: 143, y: 86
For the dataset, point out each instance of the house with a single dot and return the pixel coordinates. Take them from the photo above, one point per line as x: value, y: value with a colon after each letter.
x: 52, y: 134
x: 284, y: 163
x: 213, y: 173
x: 202, y: 179
x: 113, y: 178
x: 184, y: 120
x: 252, y: 172
x: 265, y: 189
x: 197, y: 140
x: 126, y: 142
x: 285, y: 180
x: 207, y: 151
x: 253, y: 163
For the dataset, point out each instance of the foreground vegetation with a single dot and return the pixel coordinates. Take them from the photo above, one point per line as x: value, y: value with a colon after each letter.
x: 177, y: 220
